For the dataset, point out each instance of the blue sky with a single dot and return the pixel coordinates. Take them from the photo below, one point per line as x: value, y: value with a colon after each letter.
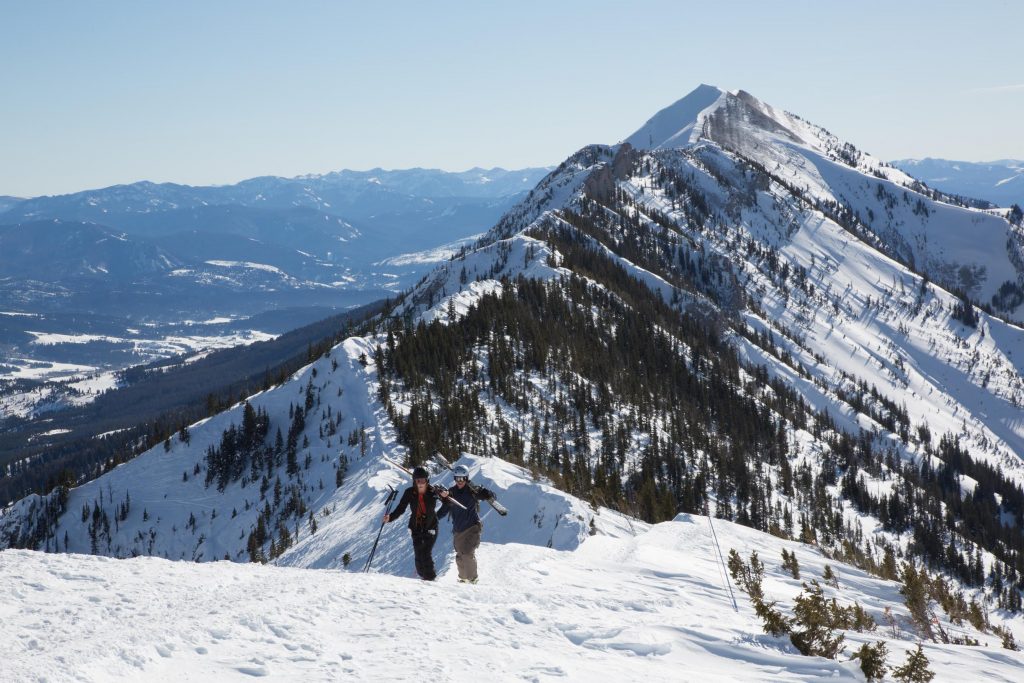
x: 213, y: 92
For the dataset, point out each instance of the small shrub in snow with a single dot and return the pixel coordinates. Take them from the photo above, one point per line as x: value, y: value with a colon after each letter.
x: 872, y: 660
x: 915, y: 670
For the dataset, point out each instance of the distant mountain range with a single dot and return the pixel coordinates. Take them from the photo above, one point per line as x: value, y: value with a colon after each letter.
x: 1000, y: 182
x: 312, y: 231
x: 136, y: 262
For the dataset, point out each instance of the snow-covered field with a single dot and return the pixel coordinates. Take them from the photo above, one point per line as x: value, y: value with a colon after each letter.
x: 649, y: 608
x: 62, y: 385
x: 429, y: 256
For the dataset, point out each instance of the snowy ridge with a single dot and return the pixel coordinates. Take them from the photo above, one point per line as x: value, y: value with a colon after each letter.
x: 554, y: 191
x: 649, y: 607
x: 739, y: 121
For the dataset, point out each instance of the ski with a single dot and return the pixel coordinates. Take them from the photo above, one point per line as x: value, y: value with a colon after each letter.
x: 498, y: 507
x: 436, y: 487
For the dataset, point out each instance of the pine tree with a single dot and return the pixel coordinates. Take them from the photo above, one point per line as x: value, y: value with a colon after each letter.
x: 829, y: 576
x: 1005, y: 634
x: 915, y: 670
x: 813, y: 617
x: 790, y: 563
x: 872, y: 660
x: 859, y: 619
x: 775, y: 623
x: 915, y: 594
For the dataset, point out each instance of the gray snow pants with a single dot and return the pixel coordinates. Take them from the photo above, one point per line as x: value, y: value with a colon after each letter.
x: 466, y: 543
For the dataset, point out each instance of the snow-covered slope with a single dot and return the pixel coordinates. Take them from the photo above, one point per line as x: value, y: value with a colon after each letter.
x: 652, y: 607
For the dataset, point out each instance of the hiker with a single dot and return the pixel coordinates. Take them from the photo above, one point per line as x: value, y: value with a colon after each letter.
x: 421, y: 500
x: 466, y: 523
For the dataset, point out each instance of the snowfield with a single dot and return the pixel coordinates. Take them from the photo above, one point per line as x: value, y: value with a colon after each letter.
x: 648, y: 608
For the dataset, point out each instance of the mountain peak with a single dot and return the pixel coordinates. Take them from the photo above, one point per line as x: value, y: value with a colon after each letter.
x: 714, y: 114
x: 675, y: 124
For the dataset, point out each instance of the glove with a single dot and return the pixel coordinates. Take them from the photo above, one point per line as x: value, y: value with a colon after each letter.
x: 486, y: 494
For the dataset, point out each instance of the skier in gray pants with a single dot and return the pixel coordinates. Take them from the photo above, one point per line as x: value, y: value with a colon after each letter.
x: 466, y: 523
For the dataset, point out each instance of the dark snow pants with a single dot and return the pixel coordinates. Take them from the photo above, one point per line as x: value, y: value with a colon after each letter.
x: 423, y: 547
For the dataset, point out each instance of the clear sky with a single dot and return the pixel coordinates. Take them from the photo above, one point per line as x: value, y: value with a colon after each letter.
x: 98, y: 93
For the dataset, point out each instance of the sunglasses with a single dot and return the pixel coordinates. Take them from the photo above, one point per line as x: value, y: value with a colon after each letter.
x: 461, y: 478
x: 420, y: 480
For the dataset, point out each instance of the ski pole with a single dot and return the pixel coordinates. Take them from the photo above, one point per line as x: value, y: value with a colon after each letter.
x: 387, y: 506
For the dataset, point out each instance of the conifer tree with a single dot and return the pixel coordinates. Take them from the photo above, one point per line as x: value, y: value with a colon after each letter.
x: 915, y: 669
x: 872, y: 660
x: 815, y: 636
x: 915, y: 594
x: 829, y: 576
x: 790, y: 563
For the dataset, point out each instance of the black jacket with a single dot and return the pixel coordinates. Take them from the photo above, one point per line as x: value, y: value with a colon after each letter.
x: 410, y: 499
x: 463, y: 519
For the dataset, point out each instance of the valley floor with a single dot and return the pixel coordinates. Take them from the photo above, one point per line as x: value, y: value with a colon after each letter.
x: 650, y: 608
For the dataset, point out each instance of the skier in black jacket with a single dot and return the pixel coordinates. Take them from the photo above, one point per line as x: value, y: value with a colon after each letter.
x: 465, y: 523
x: 421, y: 500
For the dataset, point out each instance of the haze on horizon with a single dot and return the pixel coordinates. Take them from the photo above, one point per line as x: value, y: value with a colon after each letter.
x: 201, y: 93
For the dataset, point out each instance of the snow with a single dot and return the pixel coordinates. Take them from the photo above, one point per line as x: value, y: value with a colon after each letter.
x: 69, y: 384
x: 27, y: 368
x: 248, y: 264
x: 428, y: 256
x: 677, y: 123
x: 51, y: 338
x: 653, y: 607
x: 113, y: 431
x: 94, y: 385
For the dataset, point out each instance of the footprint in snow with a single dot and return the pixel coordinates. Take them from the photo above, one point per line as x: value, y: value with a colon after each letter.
x: 521, y: 616
x: 257, y: 671
x: 535, y: 673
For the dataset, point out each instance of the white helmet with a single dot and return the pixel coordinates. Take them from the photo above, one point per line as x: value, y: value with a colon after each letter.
x: 460, y: 471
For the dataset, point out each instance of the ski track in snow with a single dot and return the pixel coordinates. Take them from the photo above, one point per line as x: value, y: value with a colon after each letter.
x: 649, y: 608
